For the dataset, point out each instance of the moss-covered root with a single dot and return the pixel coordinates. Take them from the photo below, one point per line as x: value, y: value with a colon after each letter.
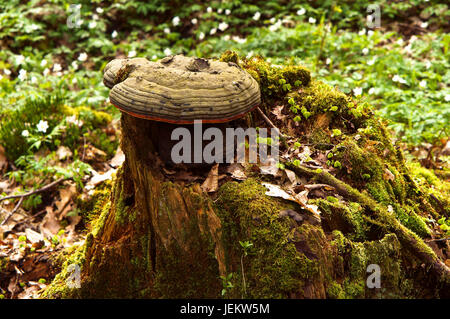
x: 380, y: 213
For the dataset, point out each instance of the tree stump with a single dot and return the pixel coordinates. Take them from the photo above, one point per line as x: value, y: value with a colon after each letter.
x: 157, y: 238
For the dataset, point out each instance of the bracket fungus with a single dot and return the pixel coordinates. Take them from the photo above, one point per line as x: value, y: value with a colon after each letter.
x: 177, y: 90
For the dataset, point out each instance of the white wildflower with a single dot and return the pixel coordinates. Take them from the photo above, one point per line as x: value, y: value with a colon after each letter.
x: 372, y: 91
x: 365, y: 51
x: 423, y: 84
x: 33, y: 80
x: 227, y: 37
x: 194, y: 21
x: 46, y: 72
x: 57, y: 67
x: 256, y: 16
x: 79, y: 23
x: 209, y: 9
x: 99, y: 10
x: 400, y: 41
x: 166, y: 30
x: 73, y: 120
x: 114, y: 34
x: 371, y: 62
x: 424, y: 25
x: 362, y: 32
x: 132, y: 54
x: 20, y: 59
x: 219, y: 11
x: 390, y: 209
x: 22, y: 75
x: 25, y: 133
x: 328, y: 61
x: 95, y: 16
x: 43, y: 63
x: 75, y: 65
x: 276, y: 26
x: 7, y: 72
x: 272, y: 20
x: 312, y: 20
x: 201, y: 36
x: 397, y: 78
x: 301, y: 11
x: 357, y: 91
x: 82, y: 57
x: 238, y: 39
x: 370, y: 33
x: 42, y: 126
x: 213, y: 31
x: 176, y: 21
x: 428, y: 64
x: 92, y: 24
x: 167, y: 51
x: 249, y: 55
x: 154, y: 57
x: 447, y: 97
x: 227, y: 12
x: 223, y: 26
x: 34, y: 27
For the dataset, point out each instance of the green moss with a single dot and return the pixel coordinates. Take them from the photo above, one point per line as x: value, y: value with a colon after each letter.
x: 406, y: 215
x: 59, y: 287
x: 88, y: 115
x: 276, y: 82
x: 274, y: 267
x: 3, y: 263
x: 230, y: 56
x: 335, y: 291
x: 346, y: 218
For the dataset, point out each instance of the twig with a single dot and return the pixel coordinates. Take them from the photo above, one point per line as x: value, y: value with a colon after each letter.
x: 269, y: 122
x: 316, y: 186
x: 12, y: 212
x: 22, y: 196
x: 440, y: 239
x: 40, y: 190
x: 30, y: 217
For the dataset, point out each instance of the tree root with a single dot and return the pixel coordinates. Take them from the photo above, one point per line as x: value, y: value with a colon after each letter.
x: 380, y: 213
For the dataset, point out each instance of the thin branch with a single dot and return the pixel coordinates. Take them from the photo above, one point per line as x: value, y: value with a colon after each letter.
x: 40, y: 190
x: 12, y: 212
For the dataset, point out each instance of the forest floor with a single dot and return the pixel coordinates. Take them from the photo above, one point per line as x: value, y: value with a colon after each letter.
x: 59, y: 135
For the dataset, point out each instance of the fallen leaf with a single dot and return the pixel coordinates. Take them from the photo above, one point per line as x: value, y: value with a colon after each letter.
x: 237, y: 171
x: 63, y: 152
x: 50, y: 224
x: 277, y: 112
x: 301, y: 198
x: 97, y: 178
x: 118, y: 158
x: 270, y: 167
x: 211, y: 183
x: 387, y: 175
x: 62, y: 205
x: 291, y: 176
x: 3, y: 160
x: 33, y: 236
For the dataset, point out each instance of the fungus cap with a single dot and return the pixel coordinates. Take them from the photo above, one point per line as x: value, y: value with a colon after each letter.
x: 179, y: 89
